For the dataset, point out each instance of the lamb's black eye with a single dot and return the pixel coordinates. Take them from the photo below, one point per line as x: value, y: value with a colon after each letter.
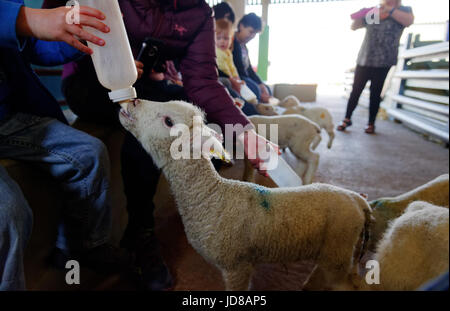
x: 168, y: 122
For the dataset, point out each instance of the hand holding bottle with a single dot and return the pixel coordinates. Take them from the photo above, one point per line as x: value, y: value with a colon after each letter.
x: 254, y: 144
x: 51, y: 25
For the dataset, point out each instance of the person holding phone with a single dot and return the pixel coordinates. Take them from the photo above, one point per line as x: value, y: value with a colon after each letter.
x: 34, y: 130
x: 378, y: 54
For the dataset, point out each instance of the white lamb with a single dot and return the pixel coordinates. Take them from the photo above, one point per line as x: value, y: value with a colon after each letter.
x: 319, y: 115
x: 236, y: 225
x: 414, y: 249
x: 387, y: 209
x: 296, y: 132
x: 266, y: 109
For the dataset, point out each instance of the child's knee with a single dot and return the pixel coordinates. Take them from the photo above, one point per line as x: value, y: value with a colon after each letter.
x: 16, y: 217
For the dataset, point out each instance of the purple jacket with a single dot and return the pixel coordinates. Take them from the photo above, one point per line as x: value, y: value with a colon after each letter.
x: 187, y: 28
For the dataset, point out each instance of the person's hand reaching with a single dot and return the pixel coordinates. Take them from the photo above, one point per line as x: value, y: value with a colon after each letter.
x: 51, y: 25
x: 236, y: 84
x: 265, y: 96
x: 253, y: 144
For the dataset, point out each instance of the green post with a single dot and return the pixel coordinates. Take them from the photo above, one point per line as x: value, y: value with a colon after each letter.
x: 263, y: 59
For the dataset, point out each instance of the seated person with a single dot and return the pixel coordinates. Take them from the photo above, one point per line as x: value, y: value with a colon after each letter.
x: 229, y: 76
x: 248, y: 27
x: 33, y: 129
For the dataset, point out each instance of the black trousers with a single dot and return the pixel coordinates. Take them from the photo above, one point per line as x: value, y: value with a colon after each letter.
x: 89, y: 100
x: 376, y: 76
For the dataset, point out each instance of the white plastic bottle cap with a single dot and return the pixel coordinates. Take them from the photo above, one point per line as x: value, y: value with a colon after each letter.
x: 123, y: 94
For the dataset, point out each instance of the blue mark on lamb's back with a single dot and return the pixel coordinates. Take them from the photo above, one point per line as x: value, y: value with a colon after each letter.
x: 263, y: 193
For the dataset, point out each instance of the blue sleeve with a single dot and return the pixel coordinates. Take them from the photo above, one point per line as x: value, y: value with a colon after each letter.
x: 237, y: 59
x: 9, y: 10
x: 38, y: 52
x: 45, y: 53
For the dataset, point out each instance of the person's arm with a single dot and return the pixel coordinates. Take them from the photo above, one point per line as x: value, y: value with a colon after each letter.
x: 9, y: 10
x: 358, y: 24
x: 237, y: 59
x: 403, y: 17
x: 253, y: 75
x: 51, y: 25
x: 222, y: 63
x: 233, y: 71
x: 200, y: 79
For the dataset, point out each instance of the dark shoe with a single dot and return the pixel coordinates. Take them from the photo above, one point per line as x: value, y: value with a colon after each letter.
x: 343, y: 126
x: 105, y: 258
x: 370, y: 129
x: 151, y: 271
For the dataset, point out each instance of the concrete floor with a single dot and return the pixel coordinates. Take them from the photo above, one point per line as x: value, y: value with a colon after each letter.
x: 387, y: 164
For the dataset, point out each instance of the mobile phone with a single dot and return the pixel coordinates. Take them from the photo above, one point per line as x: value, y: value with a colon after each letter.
x: 152, y: 55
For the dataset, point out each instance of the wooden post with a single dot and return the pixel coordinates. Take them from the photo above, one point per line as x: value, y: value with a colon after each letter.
x: 238, y: 8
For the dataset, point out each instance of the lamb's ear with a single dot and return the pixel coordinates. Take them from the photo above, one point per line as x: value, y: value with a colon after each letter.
x: 212, y: 145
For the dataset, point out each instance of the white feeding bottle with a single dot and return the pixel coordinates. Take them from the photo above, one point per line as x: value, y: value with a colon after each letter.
x: 113, y: 62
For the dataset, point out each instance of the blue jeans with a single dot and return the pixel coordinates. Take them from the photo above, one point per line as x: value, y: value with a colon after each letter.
x: 248, y: 109
x: 79, y: 163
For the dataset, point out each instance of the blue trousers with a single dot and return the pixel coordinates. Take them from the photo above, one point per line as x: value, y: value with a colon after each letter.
x: 255, y: 87
x: 79, y: 163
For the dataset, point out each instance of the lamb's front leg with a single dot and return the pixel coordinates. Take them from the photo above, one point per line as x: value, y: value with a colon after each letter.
x: 238, y: 279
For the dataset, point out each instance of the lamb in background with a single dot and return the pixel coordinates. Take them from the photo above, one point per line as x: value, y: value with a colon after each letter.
x: 387, y: 209
x: 319, y: 115
x: 266, y: 110
x: 296, y: 132
x: 414, y: 249
x: 236, y: 225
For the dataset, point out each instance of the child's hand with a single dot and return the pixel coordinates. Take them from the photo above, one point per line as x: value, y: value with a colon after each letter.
x: 265, y: 96
x: 51, y: 25
x: 236, y: 84
x: 253, y: 143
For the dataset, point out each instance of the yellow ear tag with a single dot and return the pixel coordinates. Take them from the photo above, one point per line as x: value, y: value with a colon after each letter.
x: 322, y: 116
x: 218, y: 155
